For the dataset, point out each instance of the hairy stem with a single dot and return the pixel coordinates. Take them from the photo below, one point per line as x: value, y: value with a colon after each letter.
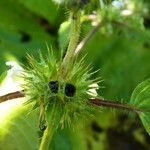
x: 111, y: 104
x: 10, y: 96
x: 47, y: 138
x: 74, y: 38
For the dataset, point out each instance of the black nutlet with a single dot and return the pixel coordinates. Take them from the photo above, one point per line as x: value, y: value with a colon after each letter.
x: 70, y: 90
x: 53, y: 86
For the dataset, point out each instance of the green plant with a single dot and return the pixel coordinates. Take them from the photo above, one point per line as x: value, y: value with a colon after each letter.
x: 61, y: 87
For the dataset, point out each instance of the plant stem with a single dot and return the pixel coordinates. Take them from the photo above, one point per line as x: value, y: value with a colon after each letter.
x: 87, y: 38
x: 10, y: 96
x: 47, y: 138
x: 74, y: 38
x: 111, y: 104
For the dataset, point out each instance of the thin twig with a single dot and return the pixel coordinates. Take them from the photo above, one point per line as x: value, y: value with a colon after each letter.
x: 112, y: 104
x: 93, y: 31
x: 87, y: 38
x: 10, y: 96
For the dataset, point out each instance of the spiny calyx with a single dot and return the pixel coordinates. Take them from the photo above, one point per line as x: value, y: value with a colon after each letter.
x: 62, y: 100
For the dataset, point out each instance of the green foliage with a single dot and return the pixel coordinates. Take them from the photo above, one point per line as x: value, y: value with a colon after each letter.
x: 18, y: 128
x: 25, y: 27
x: 44, y: 8
x: 120, y: 48
x: 141, y: 99
x: 63, y: 35
x: 72, y: 4
x: 68, y: 140
x: 2, y: 76
x: 120, y: 61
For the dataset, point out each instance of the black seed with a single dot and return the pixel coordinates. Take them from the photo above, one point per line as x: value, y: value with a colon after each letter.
x: 70, y: 90
x: 54, y: 86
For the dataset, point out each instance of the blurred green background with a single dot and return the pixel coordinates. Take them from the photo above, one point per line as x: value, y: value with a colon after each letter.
x: 123, y: 58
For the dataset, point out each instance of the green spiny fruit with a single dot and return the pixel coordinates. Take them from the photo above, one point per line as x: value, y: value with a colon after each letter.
x: 62, y: 100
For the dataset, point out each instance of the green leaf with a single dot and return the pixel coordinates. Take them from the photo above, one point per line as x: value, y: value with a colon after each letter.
x: 2, y: 76
x: 141, y: 99
x: 69, y: 140
x: 114, y: 55
x: 64, y: 35
x: 44, y: 8
x: 21, y: 30
x: 19, y: 130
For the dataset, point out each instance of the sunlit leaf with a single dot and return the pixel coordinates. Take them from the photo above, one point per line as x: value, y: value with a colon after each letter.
x: 64, y: 35
x: 19, y: 130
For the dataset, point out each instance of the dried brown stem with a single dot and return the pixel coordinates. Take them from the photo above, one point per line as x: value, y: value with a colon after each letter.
x: 10, y: 96
x: 111, y: 104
